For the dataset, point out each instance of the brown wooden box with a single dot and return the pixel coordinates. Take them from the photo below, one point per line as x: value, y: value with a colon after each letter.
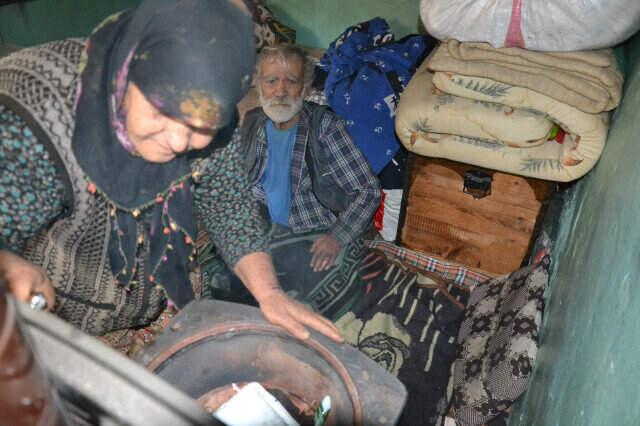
x: 490, y: 234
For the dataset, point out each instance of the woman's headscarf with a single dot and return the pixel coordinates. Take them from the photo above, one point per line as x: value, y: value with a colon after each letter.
x: 191, y: 59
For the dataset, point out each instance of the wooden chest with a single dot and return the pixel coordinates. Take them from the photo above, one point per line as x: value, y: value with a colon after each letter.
x: 490, y: 234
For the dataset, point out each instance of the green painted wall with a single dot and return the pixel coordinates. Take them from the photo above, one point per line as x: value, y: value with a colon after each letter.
x: 588, y: 367
x: 37, y: 21
x: 317, y: 22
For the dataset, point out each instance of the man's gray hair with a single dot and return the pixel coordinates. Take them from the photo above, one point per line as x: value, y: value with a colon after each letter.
x: 287, y: 52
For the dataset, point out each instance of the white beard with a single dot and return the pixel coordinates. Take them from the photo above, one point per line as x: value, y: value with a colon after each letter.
x: 281, y: 110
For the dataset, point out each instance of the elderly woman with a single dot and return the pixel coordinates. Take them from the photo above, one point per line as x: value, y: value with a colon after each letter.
x: 99, y: 213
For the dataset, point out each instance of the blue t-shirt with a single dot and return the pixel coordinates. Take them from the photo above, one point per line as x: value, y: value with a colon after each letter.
x: 276, y: 179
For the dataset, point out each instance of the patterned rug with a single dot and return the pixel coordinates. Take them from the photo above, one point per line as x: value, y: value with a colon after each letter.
x: 404, y: 315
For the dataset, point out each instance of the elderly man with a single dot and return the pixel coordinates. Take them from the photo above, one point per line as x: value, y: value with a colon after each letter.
x: 316, y: 247
x: 281, y: 175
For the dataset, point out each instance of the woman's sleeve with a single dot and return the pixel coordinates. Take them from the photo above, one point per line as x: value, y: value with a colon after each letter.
x: 31, y: 191
x: 227, y: 207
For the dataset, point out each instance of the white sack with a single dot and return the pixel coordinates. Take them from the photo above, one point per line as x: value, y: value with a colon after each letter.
x: 545, y: 25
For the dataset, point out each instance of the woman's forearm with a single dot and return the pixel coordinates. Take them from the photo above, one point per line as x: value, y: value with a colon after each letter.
x: 258, y: 275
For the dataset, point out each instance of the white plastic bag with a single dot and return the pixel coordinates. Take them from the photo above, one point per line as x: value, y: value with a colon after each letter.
x: 254, y: 405
x: 545, y: 25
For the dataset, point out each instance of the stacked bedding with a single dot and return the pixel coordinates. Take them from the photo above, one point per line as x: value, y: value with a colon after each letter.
x: 535, y: 114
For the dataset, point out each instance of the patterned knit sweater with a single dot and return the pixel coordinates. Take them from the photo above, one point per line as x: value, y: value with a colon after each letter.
x: 48, y: 216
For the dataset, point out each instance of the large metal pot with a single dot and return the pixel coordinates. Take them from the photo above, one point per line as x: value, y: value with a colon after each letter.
x: 211, y: 345
x: 93, y: 384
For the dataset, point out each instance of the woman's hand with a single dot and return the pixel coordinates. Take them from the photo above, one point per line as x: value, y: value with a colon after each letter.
x: 293, y: 316
x: 324, y: 252
x: 257, y: 273
x: 24, y: 279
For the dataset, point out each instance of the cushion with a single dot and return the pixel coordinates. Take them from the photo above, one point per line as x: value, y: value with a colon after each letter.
x: 498, y: 343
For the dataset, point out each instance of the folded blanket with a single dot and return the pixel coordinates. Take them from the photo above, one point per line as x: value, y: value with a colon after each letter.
x: 588, y: 80
x: 443, y: 113
x: 564, y: 158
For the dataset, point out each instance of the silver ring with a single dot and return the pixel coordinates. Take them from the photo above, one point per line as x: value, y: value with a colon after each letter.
x: 38, y: 302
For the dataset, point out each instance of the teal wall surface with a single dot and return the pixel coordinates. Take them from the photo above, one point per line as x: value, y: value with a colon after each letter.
x: 588, y: 366
x: 317, y: 22
x: 37, y: 21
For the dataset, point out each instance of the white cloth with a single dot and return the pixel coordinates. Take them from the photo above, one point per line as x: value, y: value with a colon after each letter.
x: 391, y: 213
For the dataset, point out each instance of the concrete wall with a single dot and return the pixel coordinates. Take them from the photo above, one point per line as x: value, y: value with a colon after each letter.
x: 588, y: 368
x: 317, y: 22
x: 37, y: 21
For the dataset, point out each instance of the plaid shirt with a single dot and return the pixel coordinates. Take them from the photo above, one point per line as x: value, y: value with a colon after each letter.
x: 349, y: 168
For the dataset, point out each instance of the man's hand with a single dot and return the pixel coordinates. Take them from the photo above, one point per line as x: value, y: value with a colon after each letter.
x: 293, y: 316
x: 257, y: 273
x: 25, y: 279
x: 324, y: 252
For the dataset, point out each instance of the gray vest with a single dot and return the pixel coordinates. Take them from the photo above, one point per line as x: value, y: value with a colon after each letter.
x: 39, y: 83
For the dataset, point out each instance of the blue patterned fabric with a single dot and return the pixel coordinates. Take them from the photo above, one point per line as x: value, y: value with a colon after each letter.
x: 366, y: 74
